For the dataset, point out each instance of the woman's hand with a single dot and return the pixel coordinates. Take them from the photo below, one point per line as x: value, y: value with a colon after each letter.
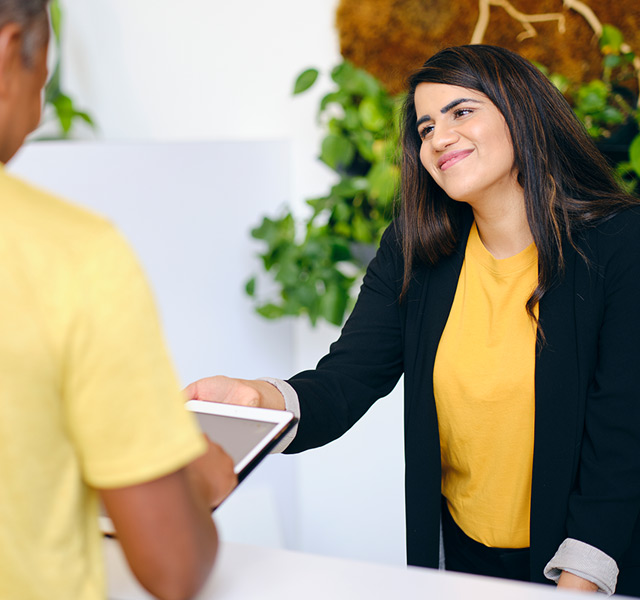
x: 569, y: 581
x: 248, y: 392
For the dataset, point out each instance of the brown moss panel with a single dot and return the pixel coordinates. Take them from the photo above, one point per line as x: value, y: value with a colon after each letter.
x: 391, y: 38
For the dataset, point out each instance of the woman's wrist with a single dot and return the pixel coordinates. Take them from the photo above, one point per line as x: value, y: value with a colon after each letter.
x: 270, y: 396
x: 568, y: 580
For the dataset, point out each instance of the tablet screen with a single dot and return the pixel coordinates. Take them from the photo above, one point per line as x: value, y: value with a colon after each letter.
x: 237, y: 436
x: 247, y: 434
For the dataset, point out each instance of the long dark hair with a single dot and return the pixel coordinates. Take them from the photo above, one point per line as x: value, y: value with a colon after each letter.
x: 567, y: 183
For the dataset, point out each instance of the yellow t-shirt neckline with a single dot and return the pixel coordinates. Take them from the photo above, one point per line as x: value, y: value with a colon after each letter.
x: 512, y: 265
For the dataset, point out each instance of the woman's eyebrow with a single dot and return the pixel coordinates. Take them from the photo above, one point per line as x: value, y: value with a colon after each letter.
x: 447, y: 108
x: 454, y: 103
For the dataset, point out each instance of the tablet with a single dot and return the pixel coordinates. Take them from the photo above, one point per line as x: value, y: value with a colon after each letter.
x: 247, y: 434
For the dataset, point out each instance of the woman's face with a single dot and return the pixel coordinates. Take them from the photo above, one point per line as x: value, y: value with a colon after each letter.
x: 466, y: 146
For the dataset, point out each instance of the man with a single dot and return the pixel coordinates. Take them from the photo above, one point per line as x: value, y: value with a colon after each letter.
x: 89, y: 406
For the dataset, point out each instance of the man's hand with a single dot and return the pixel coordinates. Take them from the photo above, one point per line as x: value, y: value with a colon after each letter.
x: 211, y: 476
x: 247, y: 392
x: 569, y: 581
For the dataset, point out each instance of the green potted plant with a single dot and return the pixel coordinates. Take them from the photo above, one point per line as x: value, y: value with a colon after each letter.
x: 609, y: 106
x: 60, y: 112
x: 316, y: 264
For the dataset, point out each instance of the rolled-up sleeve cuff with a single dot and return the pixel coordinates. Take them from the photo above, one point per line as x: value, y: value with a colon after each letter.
x: 291, y: 404
x: 585, y: 561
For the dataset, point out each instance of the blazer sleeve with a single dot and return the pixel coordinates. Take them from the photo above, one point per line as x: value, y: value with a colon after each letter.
x: 364, y: 364
x: 605, y: 505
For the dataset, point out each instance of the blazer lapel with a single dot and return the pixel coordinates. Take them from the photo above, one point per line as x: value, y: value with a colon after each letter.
x: 428, y: 308
x: 432, y: 301
x: 557, y: 410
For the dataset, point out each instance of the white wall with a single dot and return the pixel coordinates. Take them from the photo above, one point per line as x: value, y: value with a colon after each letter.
x: 160, y: 72
x: 203, y: 70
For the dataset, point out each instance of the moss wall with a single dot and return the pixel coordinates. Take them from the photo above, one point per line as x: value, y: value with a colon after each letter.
x: 390, y: 38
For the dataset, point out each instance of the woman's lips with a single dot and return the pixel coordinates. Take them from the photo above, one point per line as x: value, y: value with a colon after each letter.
x: 451, y: 158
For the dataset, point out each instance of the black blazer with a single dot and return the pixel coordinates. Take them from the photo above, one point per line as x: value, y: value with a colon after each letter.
x: 586, y: 466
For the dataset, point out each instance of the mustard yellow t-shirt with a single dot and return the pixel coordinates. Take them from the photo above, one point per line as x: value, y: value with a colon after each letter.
x: 88, y: 397
x: 484, y: 390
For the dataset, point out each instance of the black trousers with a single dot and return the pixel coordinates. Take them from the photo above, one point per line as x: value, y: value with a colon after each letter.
x: 463, y: 554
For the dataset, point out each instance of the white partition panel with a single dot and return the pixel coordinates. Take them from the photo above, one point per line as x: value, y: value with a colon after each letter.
x: 187, y: 209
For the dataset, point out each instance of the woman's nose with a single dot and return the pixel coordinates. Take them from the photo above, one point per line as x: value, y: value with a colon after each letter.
x: 443, y: 137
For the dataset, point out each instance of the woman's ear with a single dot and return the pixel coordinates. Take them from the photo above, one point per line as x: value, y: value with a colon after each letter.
x: 10, y: 55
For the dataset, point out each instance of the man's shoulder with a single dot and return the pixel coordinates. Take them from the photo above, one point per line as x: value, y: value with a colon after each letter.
x: 33, y: 211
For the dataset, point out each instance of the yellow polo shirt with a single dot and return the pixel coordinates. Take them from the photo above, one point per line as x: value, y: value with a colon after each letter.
x: 88, y: 396
x: 484, y: 390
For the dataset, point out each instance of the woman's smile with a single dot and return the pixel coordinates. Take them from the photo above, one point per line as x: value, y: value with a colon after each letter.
x: 451, y: 158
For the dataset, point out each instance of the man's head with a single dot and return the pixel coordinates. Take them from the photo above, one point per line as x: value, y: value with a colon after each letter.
x: 32, y: 17
x: 24, y: 37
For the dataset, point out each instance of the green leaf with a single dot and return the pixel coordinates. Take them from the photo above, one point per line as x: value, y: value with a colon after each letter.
x: 611, y: 39
x: 337, y: 97
x: 634, y: 154
x: 592, y: 97
x: 542, y: 68
x: 343, y: 229
x: 612, y: 116
x: 270, y: 311
x: 305, y: 80
x: 351, y: 118
x: 56, y: 19
x: 250, y: 287
x: 340, y: 251
x: 362, y: 229
x: 65, y: 111
x: 342, y: 212
x: 52, y: 89
x: 334, y: 303
x: 273, y: 231
x: 337, y: 151
x: 560, y: 81
x: 364, y: 140
x: 85, y: 117
x: 350, y: 186
x: 355, y: 81
x: 383, y: 181
x: 611, y: 61
x: 371, y: 115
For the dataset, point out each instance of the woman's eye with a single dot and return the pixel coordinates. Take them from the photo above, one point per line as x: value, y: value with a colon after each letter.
x: 425, y: 131
x: 461, y: 112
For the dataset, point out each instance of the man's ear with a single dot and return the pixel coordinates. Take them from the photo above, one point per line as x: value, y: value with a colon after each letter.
x: 10, y: 55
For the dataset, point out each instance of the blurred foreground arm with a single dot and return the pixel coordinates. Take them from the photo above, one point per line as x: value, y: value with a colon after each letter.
x: 165, y: 527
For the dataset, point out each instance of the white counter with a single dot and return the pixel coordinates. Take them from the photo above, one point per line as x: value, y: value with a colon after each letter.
x: 250, y: 572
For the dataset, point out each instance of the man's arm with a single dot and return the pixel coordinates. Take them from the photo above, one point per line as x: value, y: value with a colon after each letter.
x: 165, y: 527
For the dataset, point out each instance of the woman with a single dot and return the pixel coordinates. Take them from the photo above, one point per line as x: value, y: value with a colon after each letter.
x: 505, y: 291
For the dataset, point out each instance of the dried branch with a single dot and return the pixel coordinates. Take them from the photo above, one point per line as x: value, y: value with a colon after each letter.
x: 524, y: 19
x: 529, y: 31
x: 588, y: 14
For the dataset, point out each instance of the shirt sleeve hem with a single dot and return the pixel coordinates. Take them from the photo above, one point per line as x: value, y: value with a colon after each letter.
x: 122, y: 475
x: 292, y: 404
x: 585, y: 561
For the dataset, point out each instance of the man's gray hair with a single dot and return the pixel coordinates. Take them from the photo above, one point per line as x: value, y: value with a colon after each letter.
x: 32, y: 16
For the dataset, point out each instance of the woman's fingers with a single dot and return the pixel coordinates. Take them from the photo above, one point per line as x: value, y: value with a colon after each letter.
x: 225, y: 390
